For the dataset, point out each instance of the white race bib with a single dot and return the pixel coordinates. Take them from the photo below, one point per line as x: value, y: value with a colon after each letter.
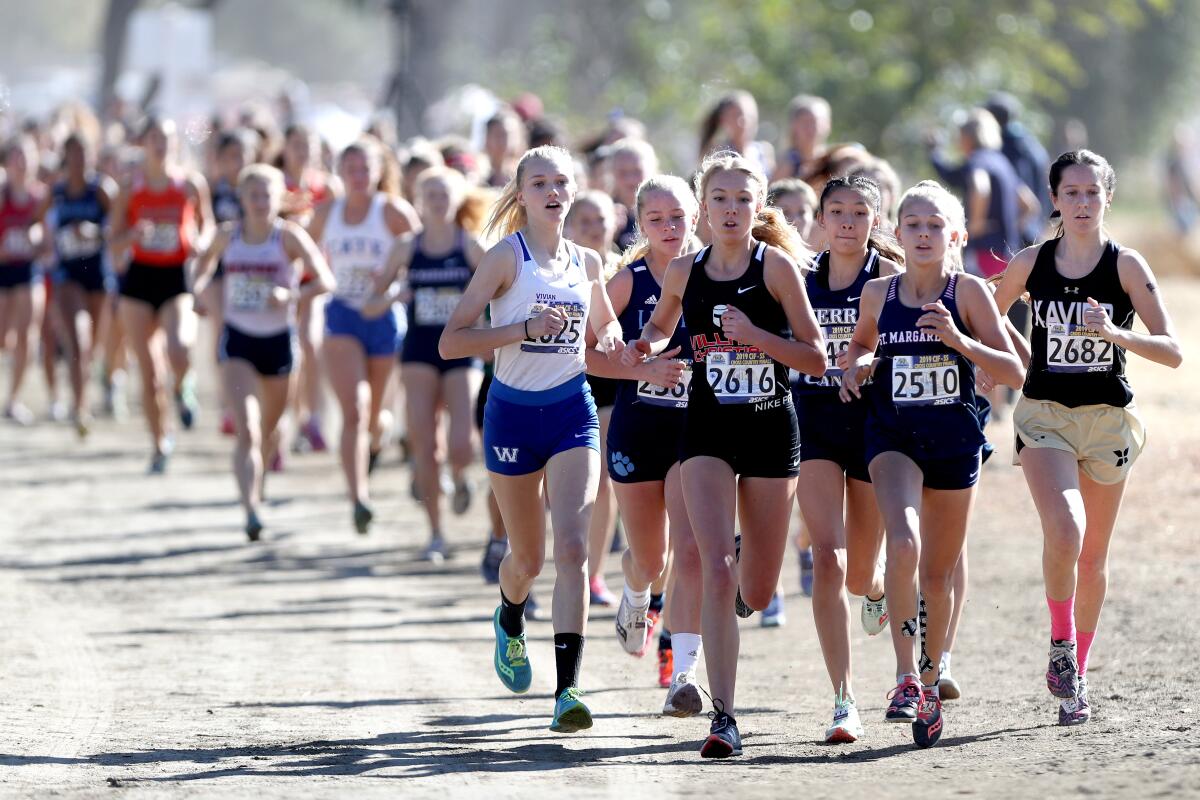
x: 249, y: 293
x: 661, y: 396
x: 568, y: 341
x: 1073, y: 348
x: 17, y: 243
x: 738, y: 377
x: 78, y: 240
x: 434, y: 305
x: 354, y: 282
x: 162, y: 237
x: 837, y: 341
x: 930, y: 380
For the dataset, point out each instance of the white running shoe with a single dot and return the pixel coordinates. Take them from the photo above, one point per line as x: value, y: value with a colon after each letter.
x: 874, y: 615
x: 632, y: 629
x: 948, y: 688
x: 683, y: 698
x: 846, y: 727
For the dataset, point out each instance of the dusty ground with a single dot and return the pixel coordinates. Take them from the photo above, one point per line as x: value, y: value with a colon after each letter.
x: 145, y: 647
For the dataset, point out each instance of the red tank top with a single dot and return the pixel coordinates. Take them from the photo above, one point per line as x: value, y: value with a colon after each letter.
x: 169, y: 242
x: 16, y: 223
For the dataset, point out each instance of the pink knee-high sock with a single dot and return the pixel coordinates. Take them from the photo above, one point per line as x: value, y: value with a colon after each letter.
x: 1062, y: 618
x: 1085, y: 647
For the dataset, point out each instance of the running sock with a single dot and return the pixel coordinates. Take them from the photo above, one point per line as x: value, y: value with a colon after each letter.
x: 687, y: 648
x: 664, y: 640
x: 637, y: 599
x: 934, y: 688
x: 656, y: 602
x: 1083, y: 648
x: 568, y: 655
x: 1062, y: 618
x: 512, y: 615
x: 945, y: 659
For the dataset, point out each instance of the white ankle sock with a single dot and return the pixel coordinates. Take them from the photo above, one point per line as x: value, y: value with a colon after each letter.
x: 688, y: 648
x: 638, y: 599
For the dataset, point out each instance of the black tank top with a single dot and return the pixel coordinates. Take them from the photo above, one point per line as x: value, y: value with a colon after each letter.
x: 227, y: 206
x: 643, y: 298
x: 924, y: 389
x: 437, y: 284
x: 1071, y: 366
x: 79, y: 224
x: 837, y: 314
x: 729, y: 373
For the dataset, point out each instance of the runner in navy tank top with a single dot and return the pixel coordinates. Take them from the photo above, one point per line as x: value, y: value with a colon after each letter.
x: 1078, y: 429
x: 739, y: 298
x: 931, y: 325
x: 438, y: 264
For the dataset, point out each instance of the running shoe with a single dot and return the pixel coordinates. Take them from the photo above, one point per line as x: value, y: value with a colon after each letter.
x: 373, y: 459
x: 57, y: 411
x: 806, y: 572
x: 83, y: 425
x: 1062, y: 675
x: 874, y: 615
x: 739, y: 605
x: 460, y: 501
x: 277, y: 462
x: 253, y: 527
x: 312, y: 433
x: 570, y: 714
x: 1076, y: 710
x: 599, y: 593
x: 948, y: 688
x: 927, y: 727
x: 533, y: 612
x: 19, y: 414
x: 493, y: 553
x: 773, y: 616
x: 436, y: 551
x: 683, y: 697
x: 666, y: 666
x: 186, y: 402
x: 362, y: 518
x: 512, y: 663
x: 160, y: 457
x: 723, y: 738
x: 846, y: 727
x: 631, y: 627
x: 227, y: 427
x: 906, y: 698
x: 653, y: 618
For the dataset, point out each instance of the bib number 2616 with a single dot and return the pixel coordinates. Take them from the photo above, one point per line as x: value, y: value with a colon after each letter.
x: 741, y: 377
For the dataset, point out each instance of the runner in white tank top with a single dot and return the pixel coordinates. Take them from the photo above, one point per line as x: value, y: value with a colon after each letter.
x: 540, y: 421
x: 264, y: 258
x: 357, y: 253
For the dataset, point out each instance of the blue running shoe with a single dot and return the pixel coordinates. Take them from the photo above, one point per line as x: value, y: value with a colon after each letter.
x: 512, y: 663
x: 774, y: 616
x: 723, y: 740
x: 806, y: 572
x: 570, y: 714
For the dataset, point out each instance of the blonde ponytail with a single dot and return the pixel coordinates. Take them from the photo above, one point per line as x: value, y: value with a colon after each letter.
x: 772, y: 227
x: 508, y: 216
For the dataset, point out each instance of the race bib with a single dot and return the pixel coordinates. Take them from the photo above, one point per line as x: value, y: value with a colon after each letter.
x: 925, y: 380
x: 568, y: 341
x: 1073, y: 348
x: 161, y: 237
x: 17, y: 243
x: 737, y: 377
x: 661, y: 396
x: 249, y: 293
x: 80, y: 240
x: 434, y: 305
x: 354, y: 282
x: 837, y: 341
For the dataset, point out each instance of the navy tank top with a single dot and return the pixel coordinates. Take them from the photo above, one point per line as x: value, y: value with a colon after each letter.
x: 227, y: 206
x: 729, y: 373
x: 1071, y: 365
x: 79, y: 222
x: 837, y: 314
x: 924, y: 389
x: 643, y: 298
x: 437, y: 284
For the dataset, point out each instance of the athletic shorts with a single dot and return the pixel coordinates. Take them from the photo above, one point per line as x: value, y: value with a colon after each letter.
x: 604, y: 390
x: 755, y: 444
x: 481, y: 400
x: 1105, y: 440
x: 643, y: 442
x: 153, y: 285
x: 271, y: 356
x: 13, y: 276
x: 421, y: 347
x: 379, y: 337
x: 831, y: 430
x: 957, y: 470
x: 522, y: 431
x: 88, y: 273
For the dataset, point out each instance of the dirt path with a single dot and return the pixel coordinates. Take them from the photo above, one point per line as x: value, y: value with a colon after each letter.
x: 145, y: 646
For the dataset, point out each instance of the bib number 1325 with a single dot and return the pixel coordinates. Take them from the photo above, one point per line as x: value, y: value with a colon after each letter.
x: 925, y: 380
x: 567, y: 341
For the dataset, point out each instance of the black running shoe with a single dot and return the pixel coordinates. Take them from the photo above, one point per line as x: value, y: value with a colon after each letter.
x: 1062, y: 675
x: 253, y: 527
x: 723, y: 738
x: 373, y: 460
x: 744, y: 611
x: 362, y: 518
x: 927, y: 727
x: 493, y: 554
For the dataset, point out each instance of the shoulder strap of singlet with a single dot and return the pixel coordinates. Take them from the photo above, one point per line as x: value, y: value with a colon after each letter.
x: 872, y: 263
x: 821, y: 269
x: 702, y: 255
x: 638, y: 266
x: 517, y: 240
x: 893, y: 288
x: 948, y: 292
x: 760, y: 252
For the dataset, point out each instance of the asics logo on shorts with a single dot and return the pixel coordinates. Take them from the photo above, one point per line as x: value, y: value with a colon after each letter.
x: 507, y: 455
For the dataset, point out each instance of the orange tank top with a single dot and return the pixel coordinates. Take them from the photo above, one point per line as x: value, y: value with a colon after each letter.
x: 169, y: 242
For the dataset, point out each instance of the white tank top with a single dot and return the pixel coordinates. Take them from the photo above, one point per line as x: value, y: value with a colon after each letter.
x: 540, y: 363
x: 357, y: 253
x: 252, y: 272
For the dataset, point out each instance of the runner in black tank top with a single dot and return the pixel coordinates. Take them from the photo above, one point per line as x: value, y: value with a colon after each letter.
x: 1078, y: 429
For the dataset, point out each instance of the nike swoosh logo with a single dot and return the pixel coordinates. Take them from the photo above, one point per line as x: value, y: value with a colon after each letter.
x: 572, y: 285
x: 582, y: 435
x: 561, y: 646
x: 852, y: 299
x: 748, y: 288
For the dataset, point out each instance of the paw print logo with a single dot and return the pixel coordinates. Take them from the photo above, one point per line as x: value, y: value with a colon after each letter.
x: 1122, y: 456
x: 621, y: 463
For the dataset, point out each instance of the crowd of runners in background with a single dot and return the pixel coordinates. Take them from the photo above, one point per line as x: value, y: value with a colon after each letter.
x: 685, y: 370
